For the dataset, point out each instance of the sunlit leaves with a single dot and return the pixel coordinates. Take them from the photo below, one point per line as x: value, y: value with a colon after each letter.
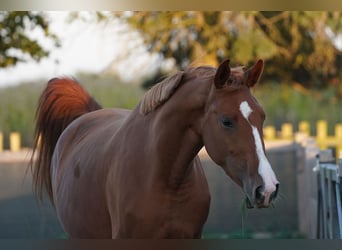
x: 298, y: 46
x: 15, y: 43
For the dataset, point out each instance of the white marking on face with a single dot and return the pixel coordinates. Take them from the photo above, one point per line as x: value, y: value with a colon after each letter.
x: 264, y: 168
x: 245, y: 110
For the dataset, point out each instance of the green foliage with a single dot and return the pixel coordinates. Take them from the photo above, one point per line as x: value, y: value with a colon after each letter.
x: 15, y: 44
x: 252, y: 44
x: 296, y: 45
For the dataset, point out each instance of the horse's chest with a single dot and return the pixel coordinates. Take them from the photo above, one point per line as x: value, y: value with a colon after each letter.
x: 164, y: 218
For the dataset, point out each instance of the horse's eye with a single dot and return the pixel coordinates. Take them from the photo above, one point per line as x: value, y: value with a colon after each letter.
x: 227, y: 122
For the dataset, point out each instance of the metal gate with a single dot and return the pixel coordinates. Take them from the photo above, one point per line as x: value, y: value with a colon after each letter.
x: 329, y: 212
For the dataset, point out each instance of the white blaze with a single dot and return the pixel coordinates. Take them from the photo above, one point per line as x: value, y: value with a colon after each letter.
x: 264, y: 169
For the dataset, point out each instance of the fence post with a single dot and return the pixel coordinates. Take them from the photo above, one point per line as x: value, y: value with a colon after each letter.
x: 304, y: 127
x: 322, y: 134
x: 307, y: 185
x: 287, y: 131
x: 338, y: 137
x: 269, y: 133
x: 15, y: 141
x: 1, y: 142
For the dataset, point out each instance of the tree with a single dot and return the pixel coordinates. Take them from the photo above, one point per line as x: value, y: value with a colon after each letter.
x: 306, y: 50
x: 16, y: 45
x: 297, y: 46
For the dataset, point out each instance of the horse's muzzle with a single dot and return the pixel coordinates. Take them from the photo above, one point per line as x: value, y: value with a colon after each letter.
x: 262, y: 199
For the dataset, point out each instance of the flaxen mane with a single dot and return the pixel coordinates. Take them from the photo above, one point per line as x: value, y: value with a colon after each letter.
x: 162, y: 91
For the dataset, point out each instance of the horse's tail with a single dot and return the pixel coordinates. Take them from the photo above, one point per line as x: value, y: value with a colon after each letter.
x: 62, y: 101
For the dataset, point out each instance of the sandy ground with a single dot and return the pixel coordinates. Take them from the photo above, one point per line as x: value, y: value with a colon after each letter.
x: 23, y: 155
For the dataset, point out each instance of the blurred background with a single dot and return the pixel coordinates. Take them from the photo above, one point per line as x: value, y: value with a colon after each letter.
x: 117, y: 56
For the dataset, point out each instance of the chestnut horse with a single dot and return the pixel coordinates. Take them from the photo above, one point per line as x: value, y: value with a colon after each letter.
x: 115, y: 173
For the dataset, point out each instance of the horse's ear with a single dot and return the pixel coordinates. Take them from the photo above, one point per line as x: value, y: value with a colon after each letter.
x: 222, y: 74
x: 253, y: 73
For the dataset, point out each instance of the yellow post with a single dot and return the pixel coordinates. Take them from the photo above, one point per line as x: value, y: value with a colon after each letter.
x: 15, y: 141
x: 269, y: 133
x: 304, y: 127
x: 338, y: 137
x: 1, y: 142
x: 322, y: 134
x: 287, y: 131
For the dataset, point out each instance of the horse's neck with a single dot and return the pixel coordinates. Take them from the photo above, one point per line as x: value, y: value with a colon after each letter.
x: 176, y: 148
x: 176, y: 138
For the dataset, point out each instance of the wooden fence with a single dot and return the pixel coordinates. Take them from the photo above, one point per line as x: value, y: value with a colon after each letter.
x: 14, y: 142
x: 286, y: 132
x: 329, y: 216
x: 322, y: 137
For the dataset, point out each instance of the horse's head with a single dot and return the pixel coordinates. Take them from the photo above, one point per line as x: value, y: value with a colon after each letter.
x: 232, y: 132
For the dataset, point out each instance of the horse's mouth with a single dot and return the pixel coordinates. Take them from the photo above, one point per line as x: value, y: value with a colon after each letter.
x: 250, y: 205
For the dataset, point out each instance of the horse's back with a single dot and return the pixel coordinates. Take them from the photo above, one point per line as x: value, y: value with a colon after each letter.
x: 79, y: 173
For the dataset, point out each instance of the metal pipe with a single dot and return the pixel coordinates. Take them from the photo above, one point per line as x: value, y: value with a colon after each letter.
x: 330, y: 214
x: 324, y: 208
x: 338, y: 205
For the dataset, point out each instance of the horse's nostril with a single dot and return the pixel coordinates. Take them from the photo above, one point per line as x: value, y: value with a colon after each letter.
x: 275, y: 193
x: 259, y: 196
